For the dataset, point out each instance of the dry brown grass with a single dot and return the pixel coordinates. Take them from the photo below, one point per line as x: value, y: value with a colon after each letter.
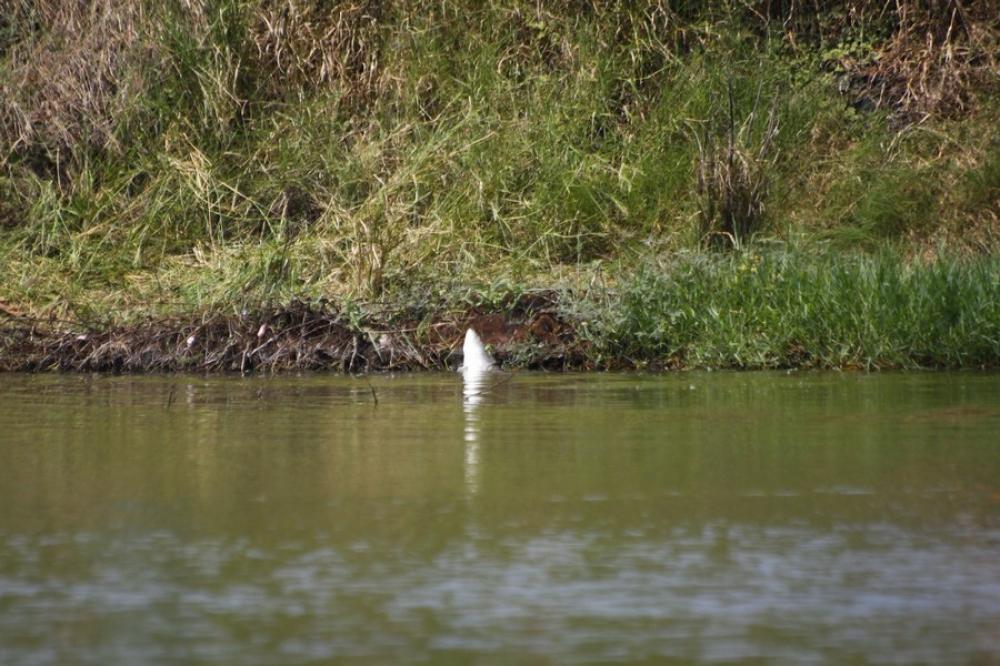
x: 939, y: 56
x: 74, y: 69
x: 307, y: 47
x: 938, y: 53
x: 67, y: 82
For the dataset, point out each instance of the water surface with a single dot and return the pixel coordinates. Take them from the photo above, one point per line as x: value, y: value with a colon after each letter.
x: 797, y: 518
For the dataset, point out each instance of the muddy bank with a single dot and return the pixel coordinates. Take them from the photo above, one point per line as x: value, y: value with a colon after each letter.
x: 527, y: 332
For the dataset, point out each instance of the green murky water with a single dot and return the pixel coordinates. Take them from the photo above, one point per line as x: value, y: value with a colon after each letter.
x: 803, y: 518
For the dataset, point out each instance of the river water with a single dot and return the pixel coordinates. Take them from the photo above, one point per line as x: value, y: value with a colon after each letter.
x: 713, y: 517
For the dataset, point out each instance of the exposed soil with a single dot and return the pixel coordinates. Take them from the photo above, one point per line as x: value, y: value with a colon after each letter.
x: 300, y: 336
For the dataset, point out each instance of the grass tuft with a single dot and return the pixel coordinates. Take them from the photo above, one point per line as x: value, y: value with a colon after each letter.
x: 733, y: 181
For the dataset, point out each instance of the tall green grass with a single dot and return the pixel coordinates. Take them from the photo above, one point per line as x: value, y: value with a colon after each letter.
x: 800, y: 308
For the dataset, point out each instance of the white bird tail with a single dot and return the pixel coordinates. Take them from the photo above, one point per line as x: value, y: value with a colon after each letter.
x: 476, y: 357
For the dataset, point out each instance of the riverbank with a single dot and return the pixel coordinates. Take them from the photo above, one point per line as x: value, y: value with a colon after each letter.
x: 750, y: 310
x: 665, y: 175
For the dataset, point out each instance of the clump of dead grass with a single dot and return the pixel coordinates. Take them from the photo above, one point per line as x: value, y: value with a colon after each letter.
x: 68, y: 81
x: 940, y: 55
x: 733, y: 178
x: 306, y: 46
x: 915, y: 58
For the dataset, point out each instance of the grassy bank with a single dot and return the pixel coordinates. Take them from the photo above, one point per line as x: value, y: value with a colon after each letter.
x: 426, y: 163
x: 751, y: 310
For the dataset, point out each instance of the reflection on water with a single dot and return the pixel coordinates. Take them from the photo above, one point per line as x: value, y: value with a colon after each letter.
x: 716, y: 518
x: 475, y: 386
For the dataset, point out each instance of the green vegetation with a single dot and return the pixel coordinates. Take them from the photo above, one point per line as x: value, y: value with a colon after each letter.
x: 790, y: 309
x: 191, y: 156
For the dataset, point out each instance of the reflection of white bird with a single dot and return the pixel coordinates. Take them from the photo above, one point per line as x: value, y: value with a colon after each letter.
x: 477, y: 359
x: 476, y: 368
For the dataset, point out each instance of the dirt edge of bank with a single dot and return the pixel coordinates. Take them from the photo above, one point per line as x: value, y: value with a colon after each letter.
x: 528, y: 332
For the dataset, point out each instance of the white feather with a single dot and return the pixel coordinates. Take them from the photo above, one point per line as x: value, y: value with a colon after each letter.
x: 476, y: 357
